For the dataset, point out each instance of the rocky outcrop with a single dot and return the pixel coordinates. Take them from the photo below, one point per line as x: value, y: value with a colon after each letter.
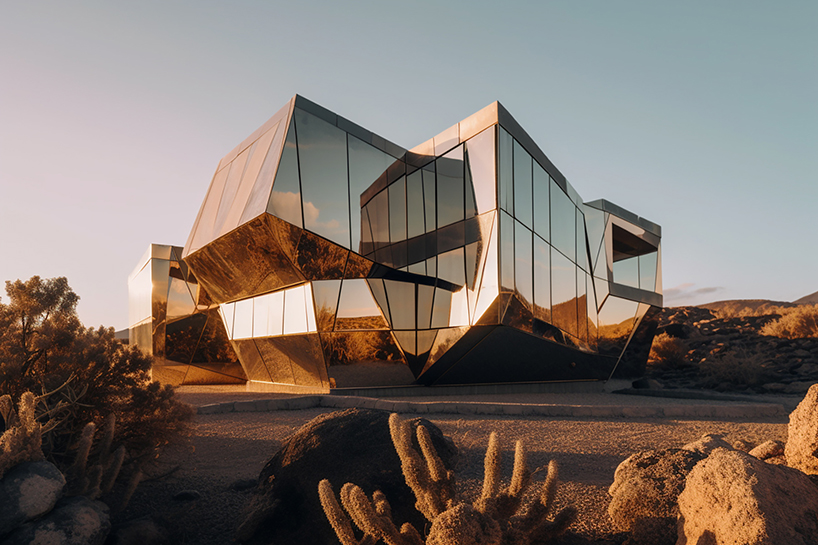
x: 74, y: 521
x: 352, y: 445
x: 732, y: 498
x: 768, y: 449
x: 802, y: 434
x: 707, y: 444
x: 29, y: 490
x: 647, y: 484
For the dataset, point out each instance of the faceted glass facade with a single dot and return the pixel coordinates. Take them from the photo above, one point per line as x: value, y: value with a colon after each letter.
x: 337, y: 257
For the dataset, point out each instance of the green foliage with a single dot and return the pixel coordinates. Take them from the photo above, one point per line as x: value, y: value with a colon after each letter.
x: 495, y: 517
x: 83, y: 374
x: 798, y: 322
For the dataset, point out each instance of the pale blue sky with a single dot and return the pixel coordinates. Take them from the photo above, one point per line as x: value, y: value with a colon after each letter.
x: 700, y: 116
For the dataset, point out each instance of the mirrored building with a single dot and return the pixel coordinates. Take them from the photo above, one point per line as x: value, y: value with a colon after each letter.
x: 338, y: 258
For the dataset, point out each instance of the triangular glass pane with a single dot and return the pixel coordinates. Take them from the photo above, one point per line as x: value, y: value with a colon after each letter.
x: 357, y: 308
x: 285, y: 199
x: 471, y: 205
x: 231, y: 188
x: 325, y: 293
x: 378, y: 291
x: 406, y: 341
x: 202, y: 232
x: 260, y: 191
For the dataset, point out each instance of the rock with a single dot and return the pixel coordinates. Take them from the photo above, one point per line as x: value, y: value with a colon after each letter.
x: 353, y: 445
x: 653, y: 531
x: 647, y: 384
x: 802, y: 434
x: 774, y: 387
x: 243, y: 484
x: 742, y: 445
x: 27, y: 491
x: 74, y: 521
x: 798, y: 387
x: 187, y: 495
x: 807, y: 369
x: 768, y: 449
x: 144, y: 531
x: 732, y: 498
x: 707, y: 444
x: 647, y: 484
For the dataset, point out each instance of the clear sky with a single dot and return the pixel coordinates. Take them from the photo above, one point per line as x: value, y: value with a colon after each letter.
x: 700, y: 116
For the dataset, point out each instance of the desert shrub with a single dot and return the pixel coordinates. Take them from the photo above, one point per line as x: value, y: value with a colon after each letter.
x: 795, y: 323
x: 667, y: 352
x: 80, y: 375
x: 738, y: 368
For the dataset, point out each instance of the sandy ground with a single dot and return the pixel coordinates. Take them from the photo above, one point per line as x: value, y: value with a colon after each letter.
x: 226, y: 449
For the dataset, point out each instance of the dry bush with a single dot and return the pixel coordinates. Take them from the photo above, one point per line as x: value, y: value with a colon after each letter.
x: 739, y: 368
x: 795, y: 323
x: 667, y: 352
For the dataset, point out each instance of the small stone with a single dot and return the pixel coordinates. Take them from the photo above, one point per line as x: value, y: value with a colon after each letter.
x: 187, y: 495
x: 647, y: 384
x: 768, y: 449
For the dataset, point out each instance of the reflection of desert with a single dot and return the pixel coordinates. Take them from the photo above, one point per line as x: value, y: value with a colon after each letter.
x: 229, y: 449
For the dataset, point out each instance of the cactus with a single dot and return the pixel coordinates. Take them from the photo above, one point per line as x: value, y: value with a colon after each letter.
x: 97, y: 479
x: 22, y: 440
x: 496, y: 516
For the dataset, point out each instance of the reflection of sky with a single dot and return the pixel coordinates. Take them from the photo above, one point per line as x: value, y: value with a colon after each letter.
x: 356, y: 300
x: 699, y: 116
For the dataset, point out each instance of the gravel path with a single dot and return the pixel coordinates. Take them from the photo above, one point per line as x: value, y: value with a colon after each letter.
x: 227, y: 450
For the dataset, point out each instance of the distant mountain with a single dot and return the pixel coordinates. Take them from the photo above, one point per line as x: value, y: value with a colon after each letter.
x: 811, y: 299
x: 746, y: 307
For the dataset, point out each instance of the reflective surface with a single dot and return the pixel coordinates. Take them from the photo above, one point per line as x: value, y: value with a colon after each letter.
x: 368, y: 253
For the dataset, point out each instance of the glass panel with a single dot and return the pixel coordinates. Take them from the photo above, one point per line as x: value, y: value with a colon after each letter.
x: 243, y: 320
x: 626, y: 271
x: 595, y: 228
x: 417, y: 268
x: 459, y: 315
x: 325, y: 294
x: 593, y: 322
x: 406, y: 340
x: 522, y: 186
x: 261, y: 315
x: 379, y: 295
x: 616, y: 319
x: 506, y: 182
x: 203, y: 229
x: 357, y: 308
x: 506, y: 252
x: 285, y: 199
x: 365, y: 245
x: 425, y: 340
x: 582, y: 306
x: 323, y: 162
x: 542, y: 280
x: 416, y: 224
x: 451, y: 267
x: 257, y: 201
x: 481, y: 161
x: 378, y: 209
x: 489, y: 286
x: 601, y: 287
x: 472, y: 263
x: 542, y: 203
x: 647, y: 272
x: 139, y: 296
x: 563, y: 222
x: 430, y: 197
x: 257, y: 154
x: 295, y: 311
x: 401, y: 297
x: 425, y: 298
x: 523, y: 266
x: 275, y: 318
x: 180, y: 302
x: 563, y: 293
x: 366, y: 164
x: 397, y: 210
x: 471, y: 205
x: 226, y: 311
x: 582, y: 252
x: 311, y: 325
x: 442, y: 307
x: 431, y: 266
x: 231, y: 187
x: 450, y: 203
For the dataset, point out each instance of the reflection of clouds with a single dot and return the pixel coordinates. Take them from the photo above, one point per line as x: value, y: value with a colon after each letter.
x: 685, y: 294
x: 287, y: 200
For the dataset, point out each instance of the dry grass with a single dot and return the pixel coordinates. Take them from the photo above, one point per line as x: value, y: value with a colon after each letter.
x: 667, y: 352
x: 737, y: 368
x: 795, y: 323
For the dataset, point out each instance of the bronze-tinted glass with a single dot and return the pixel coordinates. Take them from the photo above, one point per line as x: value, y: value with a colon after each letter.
x: 231, y: 188
x: 277, y: 362
x: 522, y: 186
x: 505, y: 159
x: 441, y: 308
x: 523, y: 264
x: 251, y: 360
x: 401, y: 296
x: 260, y: 192
x: 616, y: 321
x: 424, y: 308
x: 430, y: 197
x: 357, y: 266
x: 563, y: 222
x: 397, y: 210
x: 366, y: 164
x: 319, y: 259
x: 182, y: 337
x: 582, y: 306
x: 581, y: 251
x: 506, y: 252
x: 407, y: 341
x: 563, y: 293
x: 323, y: 165
x: 451, y: 266
x: 214, y: 347
x: 481, y: 162
x: 357, y: 309
x: 450, y: 199
x: 285, y: 199
x: 325, y: 294
x: 542, y: 280
x: 378, y: 209
x: 416, y: 223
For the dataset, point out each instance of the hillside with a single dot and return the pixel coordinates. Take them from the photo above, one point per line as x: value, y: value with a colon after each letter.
x: 811, y: 299
x: 746, y: 307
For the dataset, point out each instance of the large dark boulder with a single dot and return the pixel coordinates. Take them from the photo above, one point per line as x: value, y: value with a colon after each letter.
x: 74, y: 521
x: 352, y: 445
x: 27, y: 491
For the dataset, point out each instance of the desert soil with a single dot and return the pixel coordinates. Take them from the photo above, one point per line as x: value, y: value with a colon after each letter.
x: 226, y: 451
